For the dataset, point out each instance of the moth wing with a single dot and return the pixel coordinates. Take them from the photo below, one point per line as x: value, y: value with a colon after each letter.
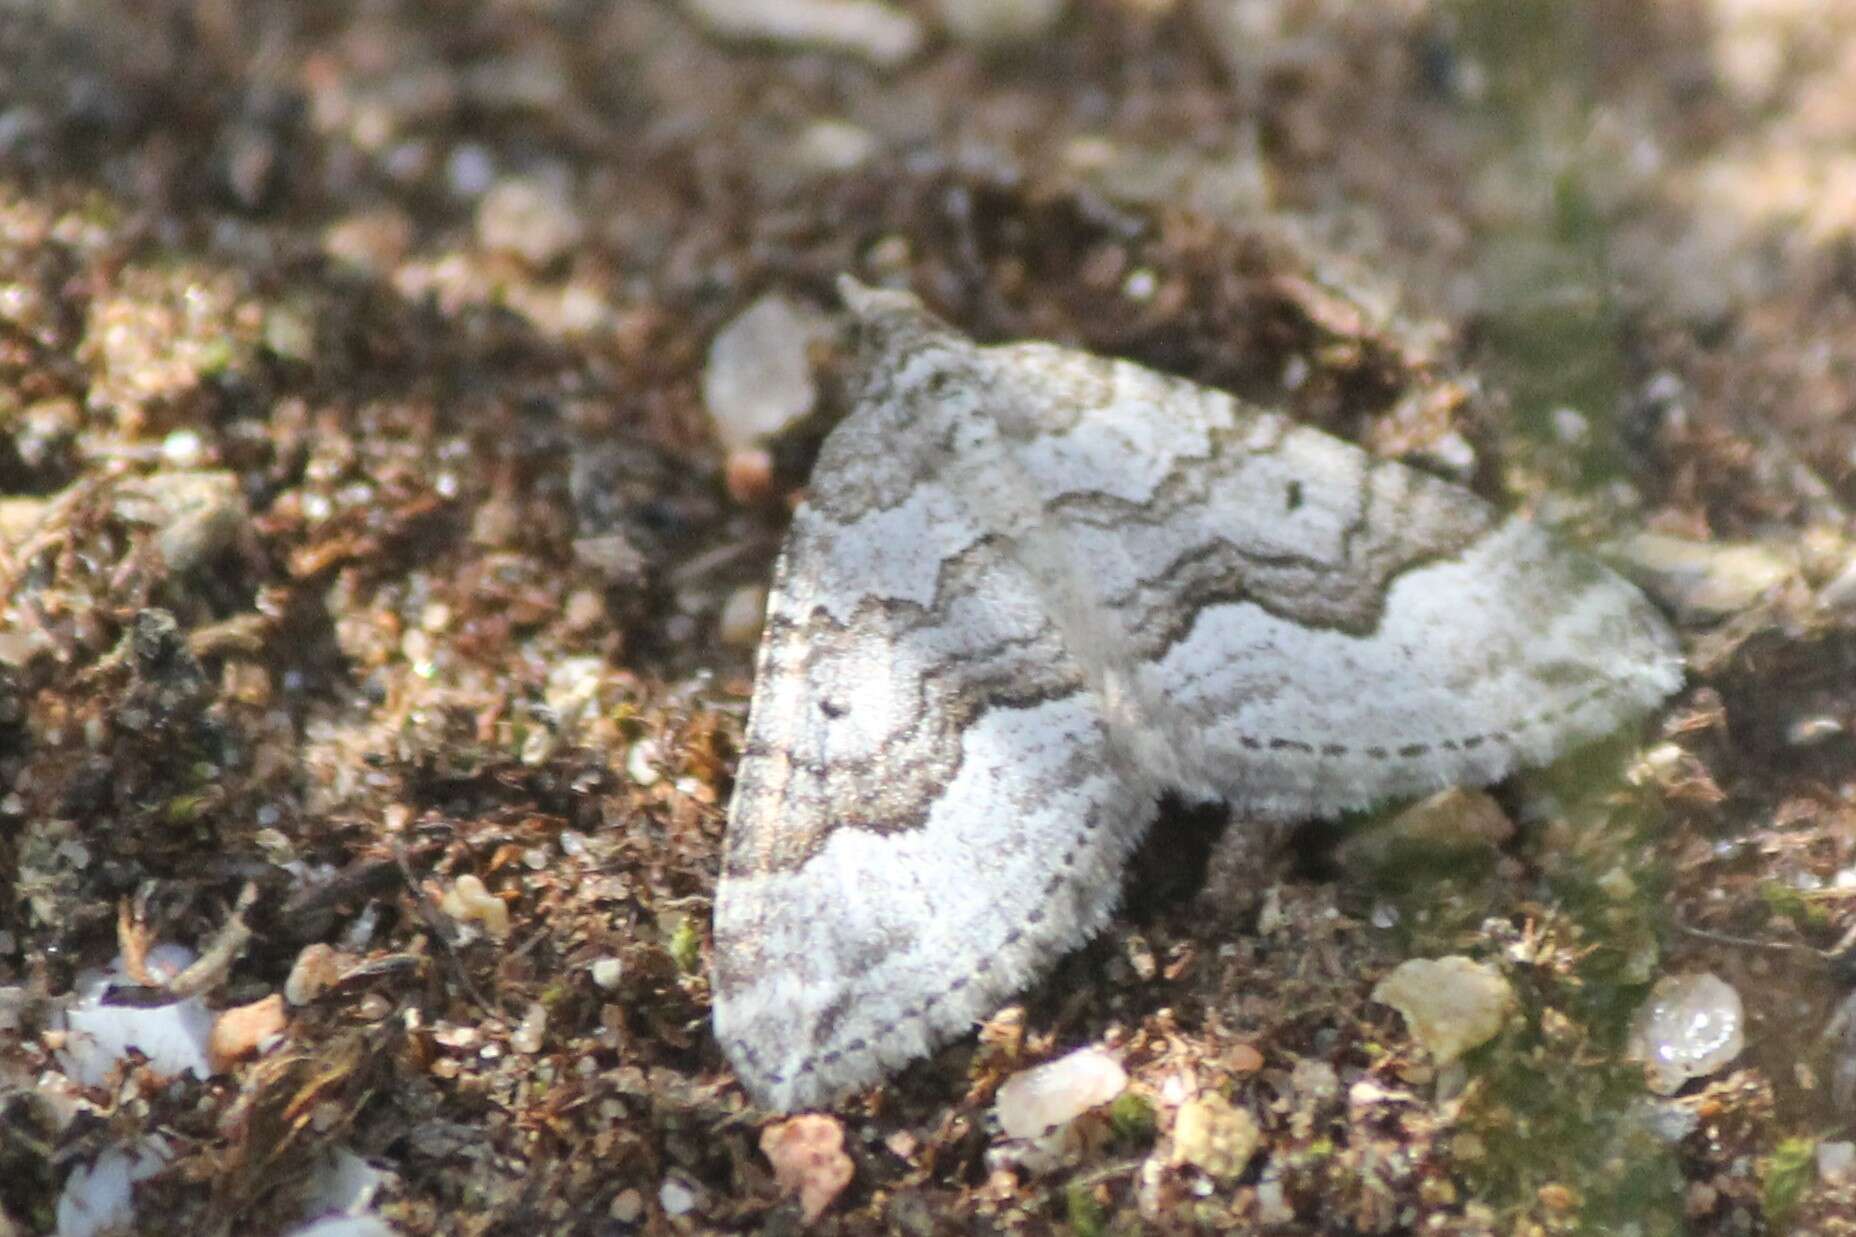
x: 1310, y: 628
x: 927, y: 812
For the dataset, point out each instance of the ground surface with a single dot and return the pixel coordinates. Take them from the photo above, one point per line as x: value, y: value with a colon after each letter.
x: 432, y: 285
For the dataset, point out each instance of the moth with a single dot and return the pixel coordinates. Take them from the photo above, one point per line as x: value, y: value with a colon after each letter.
x: 1032, y: 592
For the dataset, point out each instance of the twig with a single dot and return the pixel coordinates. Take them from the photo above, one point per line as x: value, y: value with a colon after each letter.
x: 440, y: 931
x: 212, y: 965
x: 1748, y: 942
x: 207, y: 970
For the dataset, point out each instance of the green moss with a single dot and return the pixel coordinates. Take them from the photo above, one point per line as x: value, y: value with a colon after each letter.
x: 1788, y: 1173
x: 1554, y: 327
x: 1086, y: 1216
x: 1568, y: 1109
x: 185, y: 809
x: 1789, y: 903
x: 685, y: 945
x: 1132, y: 1117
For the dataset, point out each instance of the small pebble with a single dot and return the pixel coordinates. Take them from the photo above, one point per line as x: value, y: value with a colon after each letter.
x: 807, y: 1154
x: 197, y: 515
x: 13, y: 1003
x: 243, y: 1030
x: 467, y: 901
x: 1315, y: 1080
x: 470, y: 170
x: 530, y: 218
x: 1836, y: 1162
x: 1214, y: 1136
x: 1449, y: 823
x: 740, y: 621
x: 676, y: 1198
x: 1451, y: 1004
x: 758, y: 378
x: 880, y: 33
x: 1703, y: 579
x: 607, y: 972
x: 20, y: 518
x: 1244, y: 1059
x: 1272, y: 1201
x: 1051, y: 1095
x: 372, y: 241
x: 529, y: 1033
x: 183, y: 449
x: 1691, y: 1026
x: 289, y: 333
x: 833, y: 145
x: 627, y: 1206
x: 747, y: 475
x: 641, y: 763
x: 1570, y: 426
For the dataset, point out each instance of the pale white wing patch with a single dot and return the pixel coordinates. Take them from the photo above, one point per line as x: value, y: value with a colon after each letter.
x: 1033, y: 592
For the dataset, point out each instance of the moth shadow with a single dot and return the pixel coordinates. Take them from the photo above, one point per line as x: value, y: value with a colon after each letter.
x: 1174, y: 861
x: 1196, y: 881
x: 1201, y: 868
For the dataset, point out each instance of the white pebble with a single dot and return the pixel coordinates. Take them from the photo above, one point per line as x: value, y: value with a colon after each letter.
x: 470, y: 170
x: 1272, y: 1202
x: 1054, y: 1094
x: 529, y: 1033
x: 183, y: 449
x: 833, y: 145
x: 641, y: 763
x: 99, y: 1198
x: 758, y: 379
x: 172, y: 1037
x: 676, y: 1198
x: 1690, y: 1026
x: 1571, y: 426
x: 1836, y: 1162
x: 879, y: 33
